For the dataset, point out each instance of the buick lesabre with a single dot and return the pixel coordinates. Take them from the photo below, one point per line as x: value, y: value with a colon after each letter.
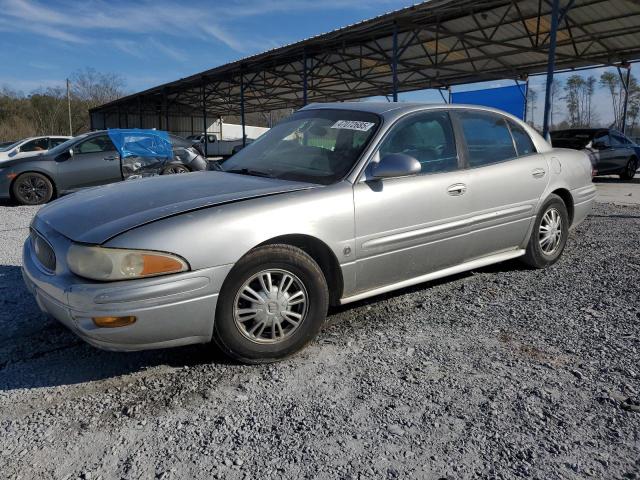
x: 337, y: 203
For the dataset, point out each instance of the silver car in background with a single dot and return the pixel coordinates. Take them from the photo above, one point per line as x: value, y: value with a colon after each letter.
x: 335, y: 204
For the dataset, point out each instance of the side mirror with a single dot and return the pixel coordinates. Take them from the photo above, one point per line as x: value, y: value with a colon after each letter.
x: 396, y: 165
x: 598, y: 145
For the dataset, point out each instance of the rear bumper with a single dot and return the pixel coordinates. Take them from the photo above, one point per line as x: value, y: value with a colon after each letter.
x: 170, y: 311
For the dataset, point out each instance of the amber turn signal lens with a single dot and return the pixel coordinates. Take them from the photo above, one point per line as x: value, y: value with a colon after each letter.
x: 157, y: 264
x: 113, y: 322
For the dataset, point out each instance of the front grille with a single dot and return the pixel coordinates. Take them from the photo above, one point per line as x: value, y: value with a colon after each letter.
x: 44, y: 253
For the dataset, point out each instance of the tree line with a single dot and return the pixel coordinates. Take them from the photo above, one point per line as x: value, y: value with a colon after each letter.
x: 46, y: 112
x: 577, y: 93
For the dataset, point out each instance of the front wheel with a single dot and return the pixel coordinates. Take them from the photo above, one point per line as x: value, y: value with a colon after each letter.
x: 549, y: 235
x: 273, y: 303
x: 175, y: 168
x: 32, y: 188
x: 630, y: 169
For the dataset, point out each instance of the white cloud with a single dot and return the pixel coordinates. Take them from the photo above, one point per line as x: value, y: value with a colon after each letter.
x: 208, y: 21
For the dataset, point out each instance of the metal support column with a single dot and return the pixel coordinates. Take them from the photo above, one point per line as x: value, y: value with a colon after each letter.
x: 304, y: 77
x: 140, y: 113
x: 104, y: 121
x: 244, y: 136
x: 524, y: 96
x: 394, y: 63
x: 119, y: 117
x: 191, y: 117
x: 166, y: 111
x: 91, y: 123
x: 204, y: 122
x: 551, y: 66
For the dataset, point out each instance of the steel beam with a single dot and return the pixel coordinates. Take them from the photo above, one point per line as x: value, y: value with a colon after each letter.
x: 304, y: 77
x: 394, y: 62
x: 551, y: 65
x: 244, y: 136
x: 204, y: 121
x: 625, y: 86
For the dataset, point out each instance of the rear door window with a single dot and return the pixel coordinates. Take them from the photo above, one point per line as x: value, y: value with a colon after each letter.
x: 55, y: 141
x: 487, y: 137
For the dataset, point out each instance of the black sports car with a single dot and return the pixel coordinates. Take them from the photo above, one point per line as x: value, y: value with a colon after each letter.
x: 610, y: 151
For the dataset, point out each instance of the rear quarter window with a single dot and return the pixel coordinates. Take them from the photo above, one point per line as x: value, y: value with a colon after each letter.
x: 524, y: 144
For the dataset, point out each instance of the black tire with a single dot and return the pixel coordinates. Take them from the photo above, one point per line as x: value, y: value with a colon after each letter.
x: 175, y: 168
x: 227, y: 332
x: 32, y: 188
x: 630, y: 169
x: 536, y: 256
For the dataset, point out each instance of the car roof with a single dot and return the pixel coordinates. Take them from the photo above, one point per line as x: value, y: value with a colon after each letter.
x: 395, y: 109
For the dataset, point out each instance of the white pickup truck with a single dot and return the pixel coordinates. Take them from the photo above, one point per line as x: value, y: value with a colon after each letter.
x: 229, y: 142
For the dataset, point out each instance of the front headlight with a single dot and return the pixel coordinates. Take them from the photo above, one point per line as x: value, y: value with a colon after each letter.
x: 109, y: 264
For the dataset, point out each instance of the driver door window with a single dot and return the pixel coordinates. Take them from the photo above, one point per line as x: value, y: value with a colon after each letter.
x: 427, y: 137
x: 37, y: 145
x: 101, y: 143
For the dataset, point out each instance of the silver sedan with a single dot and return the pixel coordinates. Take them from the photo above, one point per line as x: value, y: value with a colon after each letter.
x: 337, y: 203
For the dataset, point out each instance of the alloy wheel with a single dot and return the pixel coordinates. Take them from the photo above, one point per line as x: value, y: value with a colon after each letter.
x: 175, y: 169
x: 32, y: 189
x: 270, y: 306
x: 550, y: 232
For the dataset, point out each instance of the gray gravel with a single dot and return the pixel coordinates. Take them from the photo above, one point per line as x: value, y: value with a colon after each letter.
x: 500, y: 373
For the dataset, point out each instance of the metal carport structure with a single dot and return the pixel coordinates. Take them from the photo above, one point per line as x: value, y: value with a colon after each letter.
x: 431, y: 45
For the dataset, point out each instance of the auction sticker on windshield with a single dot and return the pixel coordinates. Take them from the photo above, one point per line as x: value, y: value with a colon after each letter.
x: 353, y: 125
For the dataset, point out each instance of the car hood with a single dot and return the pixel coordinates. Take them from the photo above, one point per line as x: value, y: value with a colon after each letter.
x: 99, y: 214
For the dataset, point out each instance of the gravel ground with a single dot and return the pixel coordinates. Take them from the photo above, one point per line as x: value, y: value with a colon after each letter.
x: 500, y: 373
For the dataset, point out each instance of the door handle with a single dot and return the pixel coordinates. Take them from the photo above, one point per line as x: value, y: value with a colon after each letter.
x: 457, y: 189
x: 538, y: 172
x: 110, y: 158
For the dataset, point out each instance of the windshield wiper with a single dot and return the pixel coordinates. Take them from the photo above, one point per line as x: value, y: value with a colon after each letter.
x: 248, y: 171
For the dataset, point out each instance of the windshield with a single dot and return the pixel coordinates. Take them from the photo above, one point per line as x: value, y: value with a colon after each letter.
x: 11, y: 146
x: 315, y: 146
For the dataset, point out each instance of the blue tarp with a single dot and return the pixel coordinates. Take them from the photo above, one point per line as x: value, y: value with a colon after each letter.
x: 142, y: 143
x: 510, y: 99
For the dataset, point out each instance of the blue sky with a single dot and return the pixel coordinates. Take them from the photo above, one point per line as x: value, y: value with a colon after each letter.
x: 151, y: 42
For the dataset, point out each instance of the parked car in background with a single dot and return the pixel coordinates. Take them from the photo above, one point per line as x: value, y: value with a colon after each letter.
x: 611, y: 152
x: 335, y: 204
x: 29, y: 147
x: 226, y: 139
x: 4, y: 145
x: 218, y: 148
x: 86, y: 161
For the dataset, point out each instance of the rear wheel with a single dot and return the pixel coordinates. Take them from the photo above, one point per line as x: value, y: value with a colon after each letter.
x: 272, y: 304
x: 549, y: 235
x: 32, y: 188
x: 630, y: 169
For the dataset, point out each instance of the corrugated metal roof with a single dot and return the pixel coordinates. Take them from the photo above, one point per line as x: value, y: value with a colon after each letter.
x: 440, y: 43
